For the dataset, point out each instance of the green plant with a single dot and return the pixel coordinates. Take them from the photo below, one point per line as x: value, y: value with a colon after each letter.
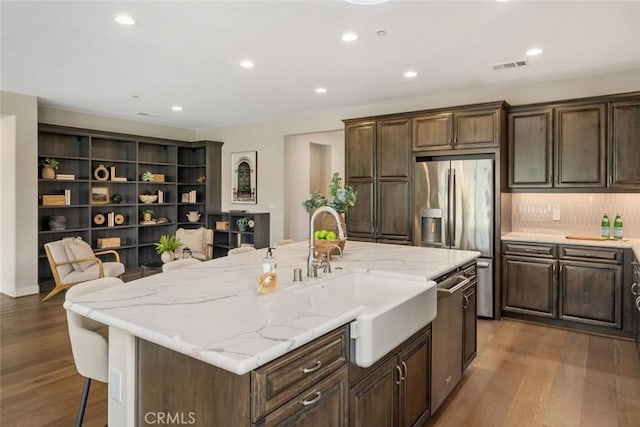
x: 341, y: 197
x: 147, y: 176
x: 167, y: 244
x: 50, y: 163
x: 148, y: 211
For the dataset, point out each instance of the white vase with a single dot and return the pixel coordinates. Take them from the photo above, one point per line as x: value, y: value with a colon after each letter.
x: 167, y: 257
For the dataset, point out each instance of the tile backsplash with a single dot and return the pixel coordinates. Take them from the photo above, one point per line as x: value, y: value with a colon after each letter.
x: 580, y: 213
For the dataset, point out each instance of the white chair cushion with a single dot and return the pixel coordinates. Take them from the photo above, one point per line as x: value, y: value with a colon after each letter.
x: 78, y: 249
x: 193, y: 239
x: 110, y: 269
x: 59, y: 254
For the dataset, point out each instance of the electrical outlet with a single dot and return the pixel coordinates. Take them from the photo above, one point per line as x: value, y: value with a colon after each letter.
x: 556, y: 214
x: 115, y: 385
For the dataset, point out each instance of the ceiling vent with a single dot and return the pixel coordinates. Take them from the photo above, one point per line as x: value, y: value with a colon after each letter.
x: 509, y: 65
x: 142, y: 113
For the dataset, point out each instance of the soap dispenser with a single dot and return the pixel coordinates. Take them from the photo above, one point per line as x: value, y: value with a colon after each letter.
x: 269, y: 264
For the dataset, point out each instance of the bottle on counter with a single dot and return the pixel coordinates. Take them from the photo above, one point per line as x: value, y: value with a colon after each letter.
x: 269, y: 264
x: 605, y: 227
x: 617, y: 227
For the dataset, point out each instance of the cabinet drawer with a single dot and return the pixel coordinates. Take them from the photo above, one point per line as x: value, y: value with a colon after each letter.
x: 529, y: 249
x: 284, y: 378
x: 591, y: 253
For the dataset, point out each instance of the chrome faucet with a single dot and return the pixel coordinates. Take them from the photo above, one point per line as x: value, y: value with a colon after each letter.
x: 326, y: 264
x: 312, y: 248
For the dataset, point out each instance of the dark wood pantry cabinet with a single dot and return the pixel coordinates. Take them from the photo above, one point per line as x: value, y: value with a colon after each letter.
x: 624, y: 144
x: 378, y: 165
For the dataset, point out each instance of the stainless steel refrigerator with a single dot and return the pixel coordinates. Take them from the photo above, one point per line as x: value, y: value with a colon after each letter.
x: 454, y: 200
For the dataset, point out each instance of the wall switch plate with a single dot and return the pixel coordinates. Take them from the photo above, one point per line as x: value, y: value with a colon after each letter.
x: 115, y: 385
x: 556, y: 214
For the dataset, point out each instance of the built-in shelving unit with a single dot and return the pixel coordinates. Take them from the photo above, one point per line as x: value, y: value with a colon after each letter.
x: 181, y: 169
x: 234, y: 235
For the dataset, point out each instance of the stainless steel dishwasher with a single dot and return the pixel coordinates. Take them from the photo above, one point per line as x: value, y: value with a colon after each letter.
x: 446, y: 329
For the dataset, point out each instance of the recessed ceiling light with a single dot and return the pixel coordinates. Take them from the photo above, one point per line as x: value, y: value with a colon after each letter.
x: 321, y: 90
x: 349, y: 37
x: 124, y: 20
x: 410, y: 74
x: 534, y: 51
x: 176, y: 108
x: 366, y: 2
x: 247, y: 64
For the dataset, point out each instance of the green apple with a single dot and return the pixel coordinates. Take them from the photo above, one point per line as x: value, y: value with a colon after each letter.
x: 322, y: 234
x: 316, y: 235
x: 331, y: 235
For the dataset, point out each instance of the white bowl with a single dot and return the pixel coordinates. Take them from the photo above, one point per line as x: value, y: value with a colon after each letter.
x: 148, y: 198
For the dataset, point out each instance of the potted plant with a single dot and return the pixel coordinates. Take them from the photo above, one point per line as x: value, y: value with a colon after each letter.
x: 49, y: 167
x: 341, y: 197
x: 166, y: 247
x: 148, y: 176
x: 147, y: 214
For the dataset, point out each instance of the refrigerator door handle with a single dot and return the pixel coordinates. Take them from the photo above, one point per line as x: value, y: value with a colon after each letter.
x: 447, y: 218
x: 453, y: 211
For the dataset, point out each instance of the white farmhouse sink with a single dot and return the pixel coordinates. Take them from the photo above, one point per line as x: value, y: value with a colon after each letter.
x: 394, y: 309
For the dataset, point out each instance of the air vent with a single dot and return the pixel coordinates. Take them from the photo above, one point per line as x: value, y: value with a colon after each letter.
x: 142, y: 113
x: 509, y: 65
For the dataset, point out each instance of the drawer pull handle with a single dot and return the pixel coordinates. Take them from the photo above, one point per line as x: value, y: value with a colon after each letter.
x: 465, y: 303
x: 312, y: 401
x: 405, y: 370
x: 312, y: 369
x: 399, y: 374
x: 634, y: 289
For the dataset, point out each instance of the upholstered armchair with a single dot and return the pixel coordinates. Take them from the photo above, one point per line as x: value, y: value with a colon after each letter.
x: 198, y: 240
x: 72, y: 261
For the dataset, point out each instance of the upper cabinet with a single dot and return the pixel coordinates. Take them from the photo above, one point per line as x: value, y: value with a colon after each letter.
x: 624, y: 144
x: 589, y: 145
x: 459, y: 128
x: 378, y: 161
x: 580, y: 146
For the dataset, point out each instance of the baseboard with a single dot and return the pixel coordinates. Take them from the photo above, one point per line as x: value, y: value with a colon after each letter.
x: 24, y: 291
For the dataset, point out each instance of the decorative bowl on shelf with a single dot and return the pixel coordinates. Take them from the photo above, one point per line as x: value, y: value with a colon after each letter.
x: 148, y: 198
x: 322, y: 246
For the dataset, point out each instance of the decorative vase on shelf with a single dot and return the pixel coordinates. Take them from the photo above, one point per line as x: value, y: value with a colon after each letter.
x: 48, y: 172
x: 57, y: 222
x: 167, y: 257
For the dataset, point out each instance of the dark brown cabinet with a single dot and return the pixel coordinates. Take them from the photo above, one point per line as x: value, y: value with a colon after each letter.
x: 580, y: 151
x: 590, y: 283
x: 469, y: 325
x: 624, y: 144
x: 377, y: 167
x: 478, y: 128
x: 395, y: 392
x: 530, y: 150
x: 530, y: 285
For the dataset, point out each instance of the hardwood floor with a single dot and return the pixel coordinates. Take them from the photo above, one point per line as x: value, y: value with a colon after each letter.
x: 524, y: 375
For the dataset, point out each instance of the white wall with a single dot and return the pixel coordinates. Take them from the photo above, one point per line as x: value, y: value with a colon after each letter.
x: 19, y: 190
x: 297, y: 180
x: 268, y: 138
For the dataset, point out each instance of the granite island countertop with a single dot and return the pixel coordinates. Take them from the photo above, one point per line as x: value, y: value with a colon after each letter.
x: 211, y: 311
x: 633, y: 244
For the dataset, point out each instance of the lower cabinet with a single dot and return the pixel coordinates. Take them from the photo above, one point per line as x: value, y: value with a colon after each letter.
x: 395, y: 391
x: 530, y: 285
x: 469, y: 325
x: 590, y: 293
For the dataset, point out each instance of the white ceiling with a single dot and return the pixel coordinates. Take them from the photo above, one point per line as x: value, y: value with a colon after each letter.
x: 73, y: 55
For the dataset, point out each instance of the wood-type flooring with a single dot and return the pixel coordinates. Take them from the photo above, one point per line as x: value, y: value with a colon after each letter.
x: 524, y: 375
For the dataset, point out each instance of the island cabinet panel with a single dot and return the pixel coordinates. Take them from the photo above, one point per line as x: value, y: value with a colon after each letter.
x: 395, y: 391
x: 324, y: 405
x: 170, y: 383
x: 530, y: 286
x: 531, y: 148
x: 590, y: 293
x: 580, y: 146
x: 281, y: 380
x: 624, y: 144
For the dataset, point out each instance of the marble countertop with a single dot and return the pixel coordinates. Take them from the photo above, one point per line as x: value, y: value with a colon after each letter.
x: 212, y: 311
x: 561, y: 239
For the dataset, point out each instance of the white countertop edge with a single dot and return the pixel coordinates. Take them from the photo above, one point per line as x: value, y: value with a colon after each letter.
x: 625, y: 243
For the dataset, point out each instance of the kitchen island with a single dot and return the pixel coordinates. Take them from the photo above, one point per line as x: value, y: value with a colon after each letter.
x: 211, y: 312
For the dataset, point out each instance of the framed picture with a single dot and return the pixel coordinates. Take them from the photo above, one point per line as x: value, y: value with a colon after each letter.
x: 244, y: 177
x: 99, y: 195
